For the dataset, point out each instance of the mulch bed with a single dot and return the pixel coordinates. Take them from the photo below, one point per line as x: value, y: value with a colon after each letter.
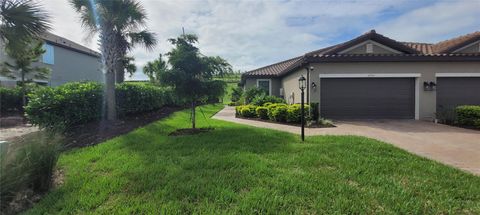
x: 97, y: 132
x: 189, y: 131
x: 287, y: 123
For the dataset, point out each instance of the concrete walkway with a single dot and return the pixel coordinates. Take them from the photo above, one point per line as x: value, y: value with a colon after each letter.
x: 453, y: 146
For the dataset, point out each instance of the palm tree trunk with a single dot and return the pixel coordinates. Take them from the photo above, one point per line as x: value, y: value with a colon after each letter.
x: 109, y: 58
x: 119, y: 73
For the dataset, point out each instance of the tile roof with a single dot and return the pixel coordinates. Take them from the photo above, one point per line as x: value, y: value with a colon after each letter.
x: 410, y: 50
x: 68, y: 44
x: 455, y: 43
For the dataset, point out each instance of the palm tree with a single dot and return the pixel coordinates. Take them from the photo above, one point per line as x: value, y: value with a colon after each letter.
x: 20, y: 21
x: 118, y: 23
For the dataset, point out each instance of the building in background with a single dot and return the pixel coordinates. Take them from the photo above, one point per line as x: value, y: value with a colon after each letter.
x: 68, y: 61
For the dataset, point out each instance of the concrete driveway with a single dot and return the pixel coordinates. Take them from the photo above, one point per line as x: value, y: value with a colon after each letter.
x: 453, y: 146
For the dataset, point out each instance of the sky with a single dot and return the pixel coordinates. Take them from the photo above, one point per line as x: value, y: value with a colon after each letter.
x: 254, y: 33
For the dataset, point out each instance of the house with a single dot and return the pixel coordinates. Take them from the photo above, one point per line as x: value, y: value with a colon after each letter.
x: 373, y: 77
x: 67, y: 60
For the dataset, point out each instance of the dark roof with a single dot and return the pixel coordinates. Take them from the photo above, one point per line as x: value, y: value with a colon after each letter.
x: 68, y: 44
x: 410, y: 51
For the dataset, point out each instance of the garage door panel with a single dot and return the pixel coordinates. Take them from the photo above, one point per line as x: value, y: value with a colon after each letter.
x: 351, y: 98
x: 455, y: 91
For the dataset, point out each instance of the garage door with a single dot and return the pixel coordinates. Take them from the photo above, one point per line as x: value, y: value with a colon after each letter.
x: 367, y: 98
x: 455, y: 91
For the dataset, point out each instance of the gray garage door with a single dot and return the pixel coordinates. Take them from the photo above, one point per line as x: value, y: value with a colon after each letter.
x: 452, y: 92
x: 367, y: 98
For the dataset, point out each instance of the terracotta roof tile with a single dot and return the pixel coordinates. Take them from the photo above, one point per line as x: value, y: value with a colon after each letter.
x: 455, y: 43
x: 411, y: 50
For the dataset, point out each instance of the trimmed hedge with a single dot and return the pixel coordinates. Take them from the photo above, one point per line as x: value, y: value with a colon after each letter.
x: 262, y: 112
x: 64, y: 107
x: 137, y: 98
x: 294, y: 113
x: 278, y: 112
x: 468, y: 115
x: 10, y: 100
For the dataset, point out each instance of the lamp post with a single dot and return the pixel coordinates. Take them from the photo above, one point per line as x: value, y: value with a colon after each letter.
x: 302, y: 84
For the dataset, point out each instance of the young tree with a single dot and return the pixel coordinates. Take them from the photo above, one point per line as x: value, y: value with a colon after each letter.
x: 20, y: 21
x: 118, y: 23
x: 22, y: 67
x: 129, y: 65
x: 191, y: 73
x: 155, y: 69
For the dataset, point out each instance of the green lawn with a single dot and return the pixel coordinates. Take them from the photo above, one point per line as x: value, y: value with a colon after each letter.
x: 228, y: 92
x: 237, y: 169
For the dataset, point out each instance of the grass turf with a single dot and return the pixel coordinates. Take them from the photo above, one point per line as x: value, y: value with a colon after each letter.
x: 227, y: 98
x: 239, y: 169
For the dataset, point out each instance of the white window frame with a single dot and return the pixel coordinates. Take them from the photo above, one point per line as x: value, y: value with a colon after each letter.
x: 269, y: 85
x: 385, y: 75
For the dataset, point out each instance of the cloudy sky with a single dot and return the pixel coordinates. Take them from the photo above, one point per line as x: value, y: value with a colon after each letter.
x: 255, y: 33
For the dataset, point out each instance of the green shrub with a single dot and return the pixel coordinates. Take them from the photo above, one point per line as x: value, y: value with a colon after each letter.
x: 468, y: 115
x: 248, y: 111
x: 294, y: 113
x: 76, y: 103
x: 29, y: 164
x: 232, y: 104
x: 314, y: 111
x: 10, y: 100
x: 136, y: 98
x: 65, y: 106
x: 237, y: 93
x: 272, y: 107
x: 262, y: 112
x: 262, y: 99
x: 251, y: 93
x: 278, y: 113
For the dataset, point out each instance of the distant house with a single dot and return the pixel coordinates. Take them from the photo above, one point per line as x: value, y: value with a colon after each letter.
x: 373, y: 76
x: 68, y: 61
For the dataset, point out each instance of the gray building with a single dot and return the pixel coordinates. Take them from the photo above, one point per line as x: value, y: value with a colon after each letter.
x: 68, y: 61
x: 373, y: 76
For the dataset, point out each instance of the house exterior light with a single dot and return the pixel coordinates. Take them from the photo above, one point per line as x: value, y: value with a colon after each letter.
x: 302, y: 83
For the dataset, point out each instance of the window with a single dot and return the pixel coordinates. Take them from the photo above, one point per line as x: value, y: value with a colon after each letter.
x: 264, y: 84
x: 49, y: 56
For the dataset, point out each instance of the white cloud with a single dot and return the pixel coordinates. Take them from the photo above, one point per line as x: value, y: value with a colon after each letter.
x: 254, y: 33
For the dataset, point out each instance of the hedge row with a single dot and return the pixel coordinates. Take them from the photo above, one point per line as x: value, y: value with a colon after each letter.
x: 468, y: 115
x: 277, y: 112
x: 10, y: 100
x: 76, y: 103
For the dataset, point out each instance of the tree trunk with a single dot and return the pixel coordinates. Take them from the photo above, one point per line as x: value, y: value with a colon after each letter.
x: 24, y: 96
x: 109, y: 58
x: 193, y: 114
x: 119, y: 72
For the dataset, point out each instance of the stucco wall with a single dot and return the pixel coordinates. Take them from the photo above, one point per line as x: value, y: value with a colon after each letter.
x: 74, y: 66
x: 68, y: 66
x: 362, y: 49
x: 275, y: 82
x: 427, y: 70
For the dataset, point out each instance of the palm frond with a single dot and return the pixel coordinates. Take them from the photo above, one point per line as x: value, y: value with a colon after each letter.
x: 144, y: 38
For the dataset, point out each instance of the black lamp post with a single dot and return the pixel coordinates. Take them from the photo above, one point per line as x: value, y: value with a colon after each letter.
x: 302, y: 84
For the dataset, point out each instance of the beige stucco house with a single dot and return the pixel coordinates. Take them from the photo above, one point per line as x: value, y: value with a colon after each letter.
x: 372, y: 76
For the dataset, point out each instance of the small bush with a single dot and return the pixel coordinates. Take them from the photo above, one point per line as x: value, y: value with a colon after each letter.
x: 251, y: 93
x: 63, y: 107
x: 294, y: 113
x: 279, y: 113
x: 314, y: 112
x: 262, y: 112
x: 248, y: 111
x: 271, y: 108
x: 31, y: 166
x: 232, y: 104
x: 10, y: 100
x: 262, y: 99
x: 468, y: 115
x: 237, y: 93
